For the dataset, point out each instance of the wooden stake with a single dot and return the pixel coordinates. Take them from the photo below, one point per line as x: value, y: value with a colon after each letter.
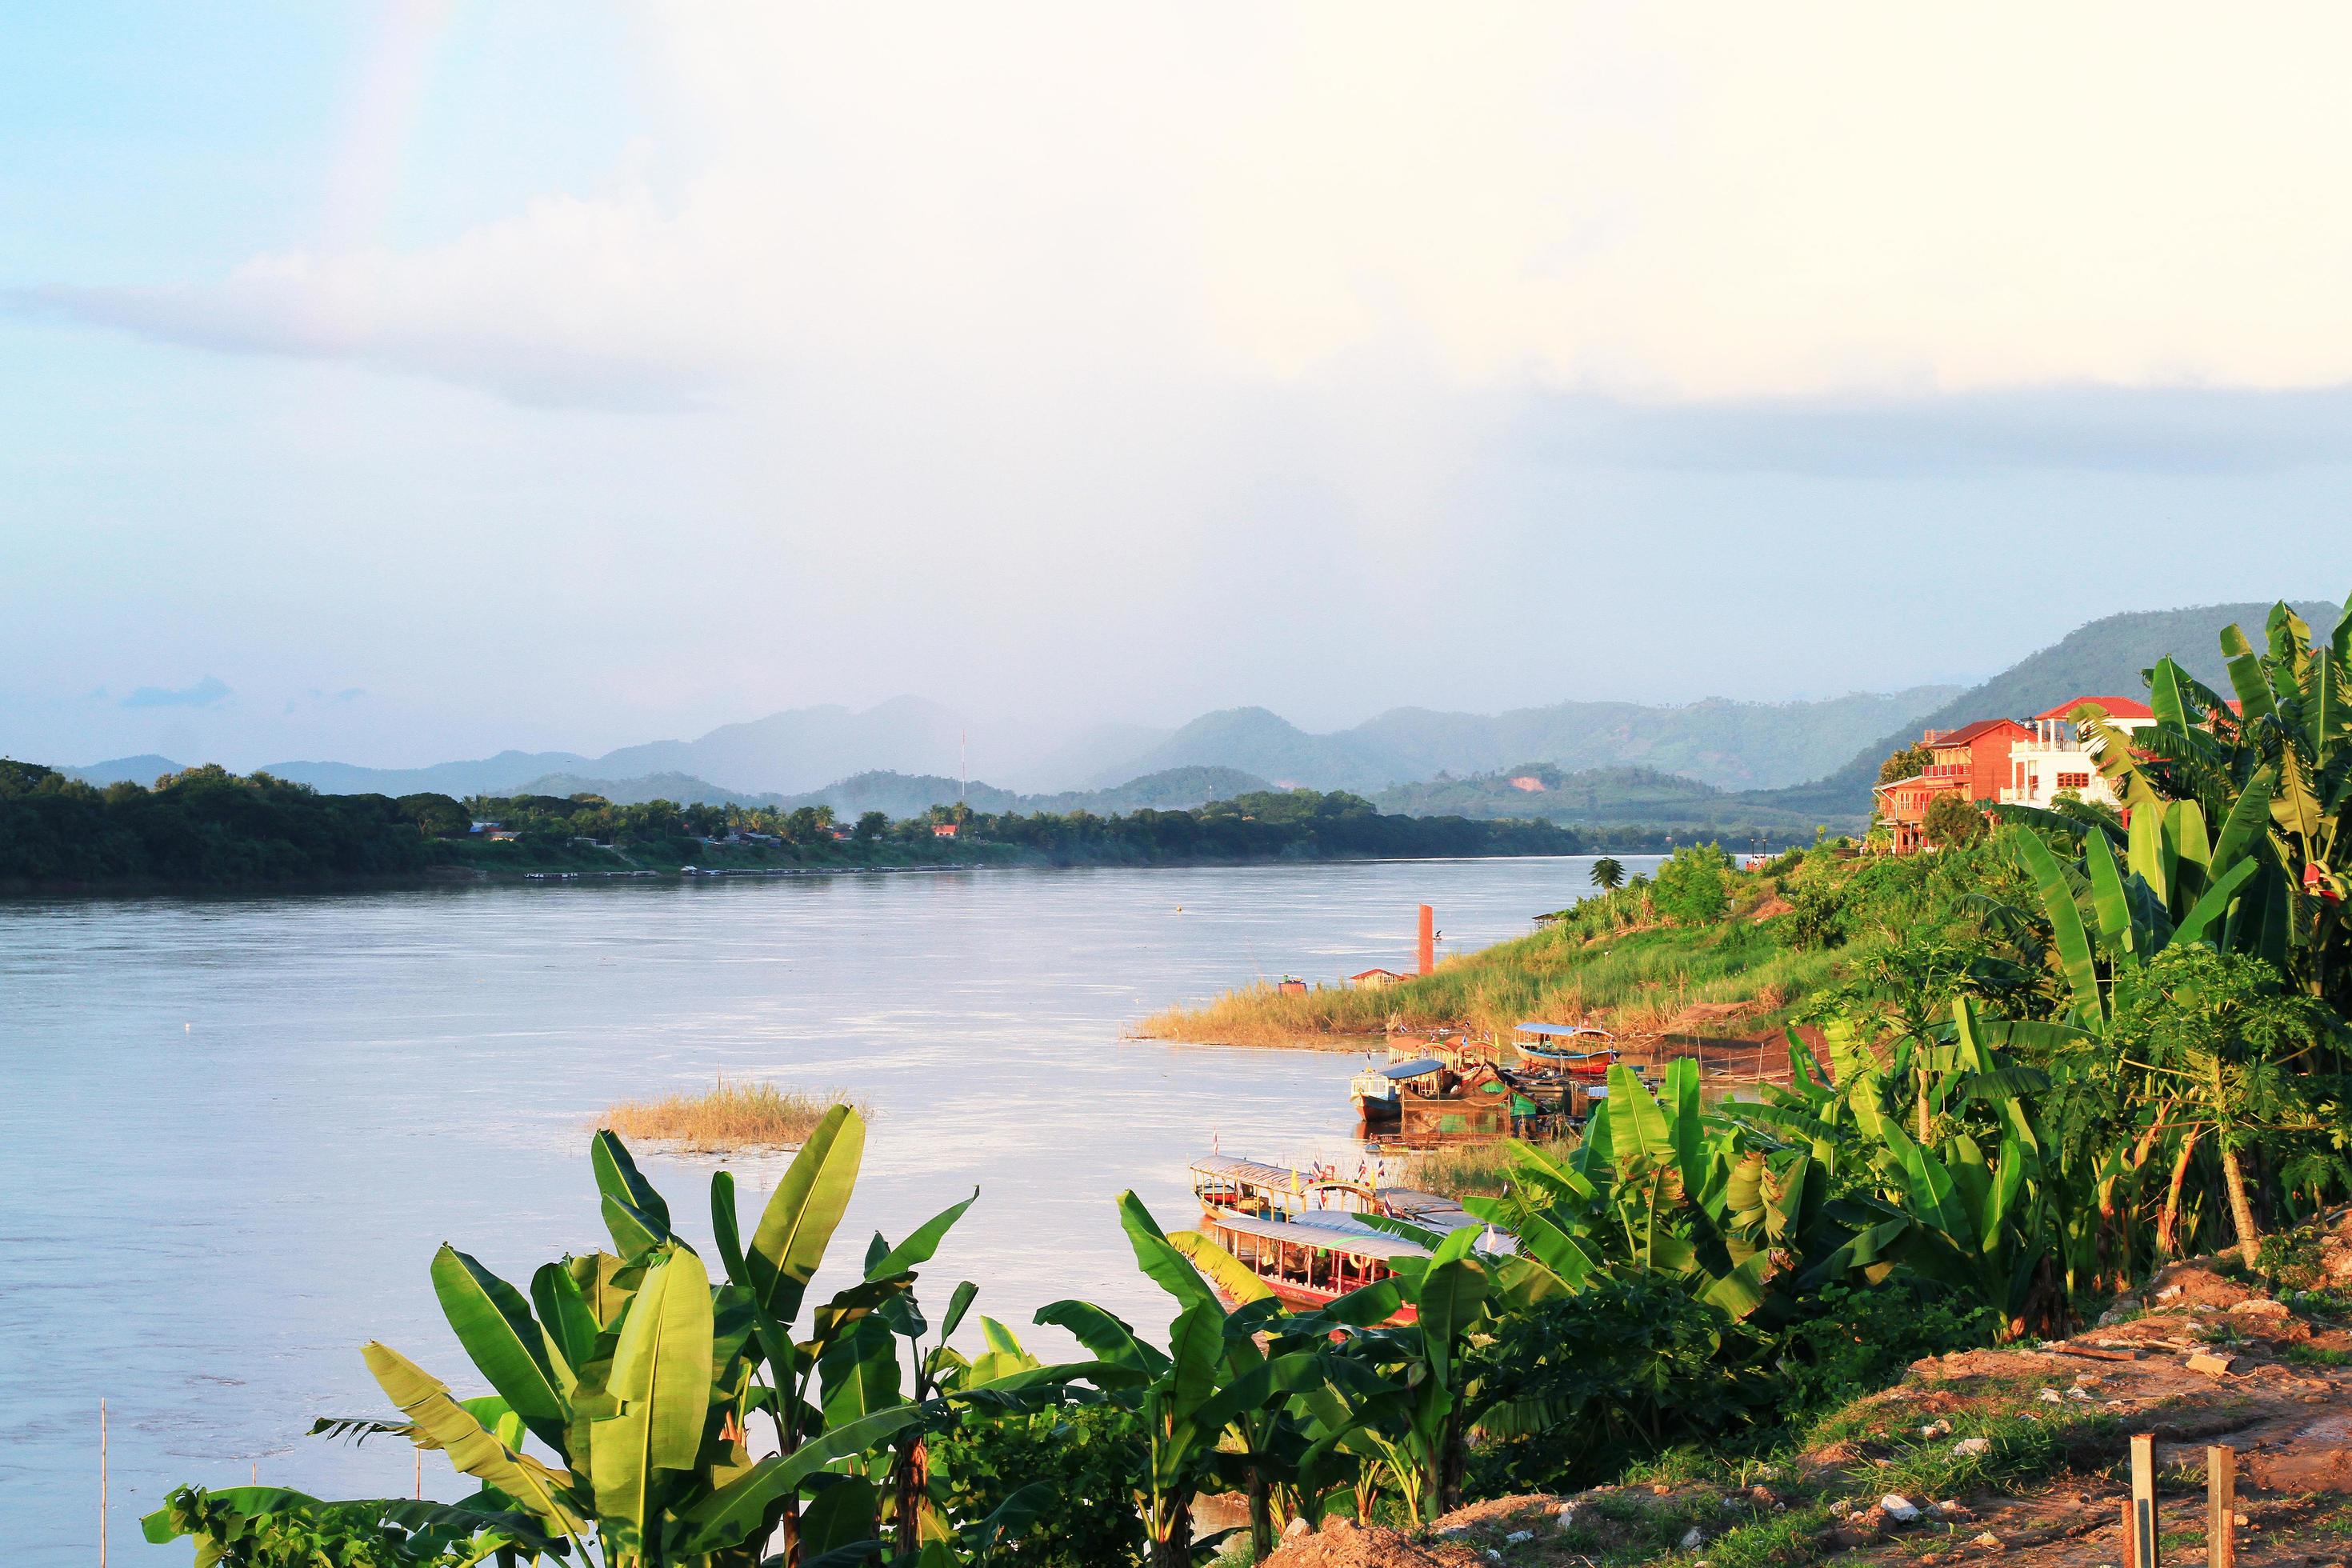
x: 420, y: 1475
x: 101, y: 1484
x: 2131, y: 1540
x: 2143, y: 1499
x: 2220, y: 1506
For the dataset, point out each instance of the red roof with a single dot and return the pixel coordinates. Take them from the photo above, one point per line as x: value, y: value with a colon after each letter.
x: 1968, y: 733
x: 2116, y: 707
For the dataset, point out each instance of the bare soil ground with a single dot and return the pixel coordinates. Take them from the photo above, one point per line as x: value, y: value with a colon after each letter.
x: 2014, y: 1456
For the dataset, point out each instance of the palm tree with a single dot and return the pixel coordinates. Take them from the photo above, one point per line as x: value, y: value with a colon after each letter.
x: 1608, y: 874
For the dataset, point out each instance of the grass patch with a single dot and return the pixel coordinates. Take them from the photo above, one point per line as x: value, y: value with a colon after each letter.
x: 2317, y: 1355
x: 1637, y: 983
x: 727, y: 1116
x: 1472, y: 1170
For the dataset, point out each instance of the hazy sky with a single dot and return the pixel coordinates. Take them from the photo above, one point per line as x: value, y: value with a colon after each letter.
x: 405, y: 382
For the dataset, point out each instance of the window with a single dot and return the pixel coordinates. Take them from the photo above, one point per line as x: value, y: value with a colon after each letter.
x: 2073, y: 781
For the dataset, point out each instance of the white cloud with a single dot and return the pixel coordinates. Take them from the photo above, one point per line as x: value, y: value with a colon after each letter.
x: 1662, y: 203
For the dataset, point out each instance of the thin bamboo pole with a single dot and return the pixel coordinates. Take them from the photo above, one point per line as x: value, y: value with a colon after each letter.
x: 101, y: 1484
x: 2220, y: 1506
x: 2143, y: 1499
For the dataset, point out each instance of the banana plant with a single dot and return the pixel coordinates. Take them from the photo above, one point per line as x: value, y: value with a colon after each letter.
x: 2270, y: 773
x: 638, y: 1374
x: 1215, y: 1403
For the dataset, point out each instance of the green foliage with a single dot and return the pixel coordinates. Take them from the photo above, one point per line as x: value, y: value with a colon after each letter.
x: 1087, y: 1457
x: 1854, y: 1340
x: 1622, y: 1370
x: 640, y: 1375
x: 1608, y: 874
x: 1949, y: 821
x: 1689, y: 889
x: 269, y: 1527
x: 203, y: 827
x: 1819, y: 914
x: 1908, y: 763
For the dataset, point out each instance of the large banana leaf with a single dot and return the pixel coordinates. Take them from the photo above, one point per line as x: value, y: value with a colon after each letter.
x: 2246, y: 677
x: 921, y: 1243
x: 1448, y: 1301
x: 1108, y: 1338
x: 2073, y: 942
x: 1220, y: 1268
x: 494, y: 1324
x: 2204, y: 920
x: 660, y: 1379
x: 2107, y: 899
x: 570, y: 1323
x: 803, y: 1214
x: 1166, y: 1266
x: 634, y: 1212
x: 425, y: 1401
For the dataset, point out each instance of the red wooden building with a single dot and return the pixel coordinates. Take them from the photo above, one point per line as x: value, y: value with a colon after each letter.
x: 1971, y: 761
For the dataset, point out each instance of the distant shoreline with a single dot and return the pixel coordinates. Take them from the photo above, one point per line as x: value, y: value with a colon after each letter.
x: 461, y: 877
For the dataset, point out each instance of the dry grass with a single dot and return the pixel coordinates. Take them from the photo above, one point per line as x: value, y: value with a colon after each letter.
x: 1640, y: 982
x: 727, y: 1116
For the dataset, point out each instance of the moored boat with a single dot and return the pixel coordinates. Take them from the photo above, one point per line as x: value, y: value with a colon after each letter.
x: 1573, y: 1050
x: 1302, y: 1231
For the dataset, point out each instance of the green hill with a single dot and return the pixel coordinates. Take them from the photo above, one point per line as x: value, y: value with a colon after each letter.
x: 2107, y: 656
x: 1600, y: 797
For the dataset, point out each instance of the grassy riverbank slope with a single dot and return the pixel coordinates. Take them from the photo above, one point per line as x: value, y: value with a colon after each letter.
x: 1740, y: 963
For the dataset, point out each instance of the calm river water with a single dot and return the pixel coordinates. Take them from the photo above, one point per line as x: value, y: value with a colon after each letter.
x: 232, y: 1132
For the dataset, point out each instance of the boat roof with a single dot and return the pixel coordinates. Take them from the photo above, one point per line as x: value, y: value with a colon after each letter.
x: 1418, y: 1067
x: 1359, y: 1241
x: 1252, y: 1172
x: 1559, y: 1031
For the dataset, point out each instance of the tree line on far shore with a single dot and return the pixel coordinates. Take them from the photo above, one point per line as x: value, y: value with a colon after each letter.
x: 207, y: 826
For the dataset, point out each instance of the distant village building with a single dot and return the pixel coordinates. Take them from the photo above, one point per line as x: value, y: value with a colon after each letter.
x: 1971, y: 763
x: 1374, y: 979
x: 944, y: 829
x: 1529, y: 783
x: 2057, y: 756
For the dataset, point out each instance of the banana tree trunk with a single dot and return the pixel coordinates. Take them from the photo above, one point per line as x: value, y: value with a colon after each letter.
x: 1171, y: 1538
x: 1452, y: 1461
x: 2249, y: 1235
x: 1261, y: 1512
x: 913, y: 1493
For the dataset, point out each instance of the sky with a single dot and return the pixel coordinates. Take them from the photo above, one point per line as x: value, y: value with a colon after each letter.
x: 402, y: 382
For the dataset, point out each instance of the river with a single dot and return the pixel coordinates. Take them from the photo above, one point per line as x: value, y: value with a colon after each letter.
x: 233, y: 1130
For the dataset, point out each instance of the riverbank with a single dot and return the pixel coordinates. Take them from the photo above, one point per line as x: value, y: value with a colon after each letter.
x: 1737, y: 977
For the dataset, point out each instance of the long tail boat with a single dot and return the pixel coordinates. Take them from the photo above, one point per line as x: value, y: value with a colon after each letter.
x: 1298, y: 1230
x: 1574, y: 1050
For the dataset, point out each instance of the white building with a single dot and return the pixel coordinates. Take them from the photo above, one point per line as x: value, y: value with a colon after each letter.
x: 2059, y: 756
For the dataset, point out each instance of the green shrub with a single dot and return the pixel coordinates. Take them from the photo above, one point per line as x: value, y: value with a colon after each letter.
x: 1819, y: 915
x: 1690, y: 889
x: 1090, y: 1453
x: 1857, y: 1341
x: 1629, y: 1368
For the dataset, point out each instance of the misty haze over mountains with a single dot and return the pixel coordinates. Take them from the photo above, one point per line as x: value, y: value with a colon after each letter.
x: 1769, y: 763
x: 1730, y: 745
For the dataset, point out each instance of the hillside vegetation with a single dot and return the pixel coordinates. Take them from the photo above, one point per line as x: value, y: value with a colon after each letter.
x: 1617, y: 961
x: 1595, y: 797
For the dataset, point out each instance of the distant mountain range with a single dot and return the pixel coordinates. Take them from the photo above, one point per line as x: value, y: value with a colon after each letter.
x: 1729, y: 746
x: 1709, y: 761
x: 910, y: 794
